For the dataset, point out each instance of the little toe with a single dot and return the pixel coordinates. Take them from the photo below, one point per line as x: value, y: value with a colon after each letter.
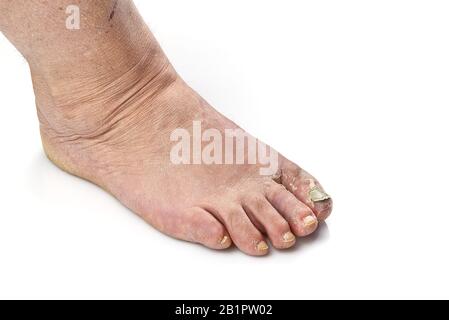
x: 202, y: 227
x: 274, y: 224
x: 243, y: 232
x: 307, y: 189
x: 300, y: 217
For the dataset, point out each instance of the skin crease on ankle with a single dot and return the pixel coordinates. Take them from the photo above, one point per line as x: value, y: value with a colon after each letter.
x: 108, y: 99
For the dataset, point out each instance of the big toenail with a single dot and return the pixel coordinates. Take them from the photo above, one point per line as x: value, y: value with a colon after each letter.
x: 289, y: 237
x: 318, y: 195
x: 309, y: 221
x: 262, y: 246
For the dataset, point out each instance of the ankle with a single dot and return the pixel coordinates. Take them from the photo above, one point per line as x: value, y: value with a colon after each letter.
x: 98, y: 103
x: 88, y: 73
x: 85, y: 102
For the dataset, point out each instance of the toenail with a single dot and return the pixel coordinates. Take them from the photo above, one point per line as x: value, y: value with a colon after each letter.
x: 289, y: 237
x: 318, y: 195
x: 309, y: 221
x: 262, y: 246
x: 224, y: 240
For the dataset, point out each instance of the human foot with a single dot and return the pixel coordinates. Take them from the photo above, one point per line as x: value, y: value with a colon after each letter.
x: 129, y: 155
x: 114, y: 130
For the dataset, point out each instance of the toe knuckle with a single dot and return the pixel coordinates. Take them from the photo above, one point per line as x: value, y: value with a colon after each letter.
x: 258, y: 203
x: 215, y: 229
x: 302, y: 210
x: 291, y: 169
x: 280, y: 226
x: 275, y: 191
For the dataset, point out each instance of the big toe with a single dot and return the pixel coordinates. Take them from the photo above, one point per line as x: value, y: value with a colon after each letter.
x: 307, y: 189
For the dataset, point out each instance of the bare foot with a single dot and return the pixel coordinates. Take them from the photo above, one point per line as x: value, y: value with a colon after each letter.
x: 114, y: 129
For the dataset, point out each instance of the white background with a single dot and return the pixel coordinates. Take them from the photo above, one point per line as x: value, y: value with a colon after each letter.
x: 355, y: 91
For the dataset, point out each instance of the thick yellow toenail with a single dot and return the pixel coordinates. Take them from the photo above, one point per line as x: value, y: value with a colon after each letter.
x: 289, y: 237
x: 262, y: 246
x: 224, y: 240
x: 309, y: 221
x: 318, y: 195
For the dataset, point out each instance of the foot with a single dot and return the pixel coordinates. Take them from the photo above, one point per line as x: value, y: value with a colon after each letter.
x: 117, y: 131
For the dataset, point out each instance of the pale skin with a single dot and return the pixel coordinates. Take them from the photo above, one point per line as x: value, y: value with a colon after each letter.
x: 108, y: 99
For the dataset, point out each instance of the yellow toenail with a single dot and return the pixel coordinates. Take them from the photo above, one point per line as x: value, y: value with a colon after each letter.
x: 224, y: 240
x: 262, y: 246
x: 318, y: 195
x: 309, y: 221
x: 289, y: 237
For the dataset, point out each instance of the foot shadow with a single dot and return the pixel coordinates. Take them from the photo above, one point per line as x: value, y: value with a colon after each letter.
x: 320, y: 236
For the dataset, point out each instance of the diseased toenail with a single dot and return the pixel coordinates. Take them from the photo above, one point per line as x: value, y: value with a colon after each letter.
x: 289, y: 237
x: 262, y: 246
x: 224, y: 240
x: 309, y: 221
x: 318, y: 195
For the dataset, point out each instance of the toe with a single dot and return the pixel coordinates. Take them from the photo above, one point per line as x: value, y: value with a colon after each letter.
x: 243, y: 232
x: 202, y: 227
x: 307, y: 189
x: 261, y: 212
x: 300, y: 217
